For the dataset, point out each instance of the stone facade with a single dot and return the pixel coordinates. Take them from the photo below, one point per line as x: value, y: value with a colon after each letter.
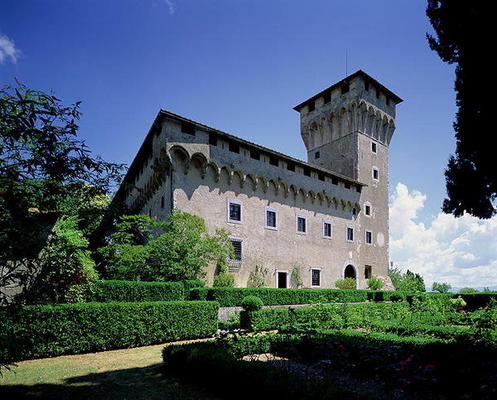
x: 264, y: 198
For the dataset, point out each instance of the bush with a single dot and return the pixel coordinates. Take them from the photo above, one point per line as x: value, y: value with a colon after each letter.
x: 467, y: 290
x: 375, y: 283
x: 347, y: 283
x: 406, y: 281
x: 224, y: 279
x: 478, y: 300
x: 129, y: 291
x: 192, y: 283
x: 323, y: 316
x: 458, y: 302
x: 252, y: 303
x: 48, y: 331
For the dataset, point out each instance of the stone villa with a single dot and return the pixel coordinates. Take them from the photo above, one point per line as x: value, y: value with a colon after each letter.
x: 327, y: 216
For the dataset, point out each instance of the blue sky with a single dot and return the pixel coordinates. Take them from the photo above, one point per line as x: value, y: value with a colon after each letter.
x: 237, y: 65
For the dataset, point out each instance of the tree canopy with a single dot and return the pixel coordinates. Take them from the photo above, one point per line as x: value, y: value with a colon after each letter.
x: 45, y: 170
x: 462, y: 28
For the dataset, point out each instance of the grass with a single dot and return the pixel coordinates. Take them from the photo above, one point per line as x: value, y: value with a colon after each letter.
x: 119, y: 374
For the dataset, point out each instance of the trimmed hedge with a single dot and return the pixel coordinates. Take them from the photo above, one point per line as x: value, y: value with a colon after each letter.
x: 327, y: 316
x: 108, y: 291
x: 52, y: 330
x: 475, y: 301
x: 231, y: 297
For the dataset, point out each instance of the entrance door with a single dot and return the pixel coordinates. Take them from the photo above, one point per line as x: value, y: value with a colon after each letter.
x: 282, y: 280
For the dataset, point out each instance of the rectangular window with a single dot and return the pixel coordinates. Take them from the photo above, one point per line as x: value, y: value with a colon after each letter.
x: 366, y: 86
x: 345, y: 88
x: 315, y: 277
x: 234, y: 211
x: 162, y: 202
x: 327, y: 97
x: 326, y: 229
x: 368, y: 271
x: 187, y: 127
x: 350, y: 234
x: 307, y: 171
x: 312, y: 106
x: 273, y: 160
x: 373, y: 147
x: 367, y: 210
x: 234, y: 146
x: 317, y: 154
x: 376, y: 173
x: 255, y: 154
x: 237, y: 250
x: 270, y: 218
x: 377, y: 93
x: 321, y: 176
x: 301, y: 224
x: 334, y: 180
x: 212, y: 139
x: 346, y: 185
x: 369, y: 237
x: 290, y: 166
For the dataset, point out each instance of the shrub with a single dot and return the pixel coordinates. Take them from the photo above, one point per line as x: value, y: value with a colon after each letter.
x: 375, y: 283
x: 192, y: 283
x: 252, y: 303
x: 52, y: 330
x: 458, y: 302
x: 224, y: 279
x: 296, y: 278
x: 441, y: 287
x: 258, y: 277
x: 406, y: 281
x: 328, y: 316
x: 129, y: 291
x: 231, y: 297
x: 347, y: 283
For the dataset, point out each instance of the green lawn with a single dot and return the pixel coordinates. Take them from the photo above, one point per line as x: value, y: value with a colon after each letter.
x: 119, y: 374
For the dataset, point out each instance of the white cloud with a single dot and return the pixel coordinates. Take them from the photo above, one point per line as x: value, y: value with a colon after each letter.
x: 8, y: 50
x: 170, y: 6
x: 461, y: 251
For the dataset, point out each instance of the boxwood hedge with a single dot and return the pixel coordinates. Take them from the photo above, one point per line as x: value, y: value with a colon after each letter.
x: 52, y: 330
x: 105, y: 291
x: 230, y: 297
x: 328, y: 316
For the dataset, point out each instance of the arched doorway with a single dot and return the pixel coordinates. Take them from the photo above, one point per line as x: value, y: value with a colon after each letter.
x: 350, y: 272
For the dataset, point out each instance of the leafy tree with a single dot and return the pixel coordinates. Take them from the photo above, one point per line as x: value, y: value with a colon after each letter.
x: 179, y: 249
x: 406, y: 281
x: 461, y: 27
x: 258, y: 277
x: 441, y: 287
x: 467, y: 290
x: 296, y: 278
x: 185, y: 248
x: 42, y: 164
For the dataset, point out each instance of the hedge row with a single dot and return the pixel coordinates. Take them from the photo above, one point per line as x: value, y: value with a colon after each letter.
x: 324, y: 316
x: 230, y: 297
x: 108, y: 291
x: 52, y: 330
x: 204, y: 363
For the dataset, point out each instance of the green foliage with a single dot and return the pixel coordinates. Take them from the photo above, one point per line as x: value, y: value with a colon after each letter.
x: 224, y: 279
x: 179, y: 249
x: 296, y: 278
x: 129, y: 291
x: 252, y: 303
x: 65, y: 264
x: 48, y: 331
x: 258, y: 277
x: 192, y: 283
x: 323, y: 316
x: 467, y: 290
x: 42, y: 165
x: 346, y: 283
x: 458, y: 302
x: 441, y: 287
x: 484, y: 324
x: 375, y: 283
x: 231, y: 297
x: 406, y: 282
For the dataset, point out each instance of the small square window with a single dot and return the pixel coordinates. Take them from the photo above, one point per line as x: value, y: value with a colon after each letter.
x: 187, y: 127
x: 237, y: 250
x: 312, y: 106
x: 373, y: 147
x: 212, y: 139
x: 346, y: 185
x: 315, y: 277
x: 307, y: 171
x: 301, y: 224
x: 327, y: 97
x: 235, y: 211
x: 255, y: 154
x: 366, y: 86
x: 367, y: 210
x: 350, y: 234
x: 334, y: 180
x: 326, y: 229
x: 369, y: 237
x: 273, y: 160
x: 270, y: 219
x: 345, y: 88
x: 290, y: 166
x: 368, y: 271
x: 317, y: 154
x: 376, y: 173
x: 234, y: 147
